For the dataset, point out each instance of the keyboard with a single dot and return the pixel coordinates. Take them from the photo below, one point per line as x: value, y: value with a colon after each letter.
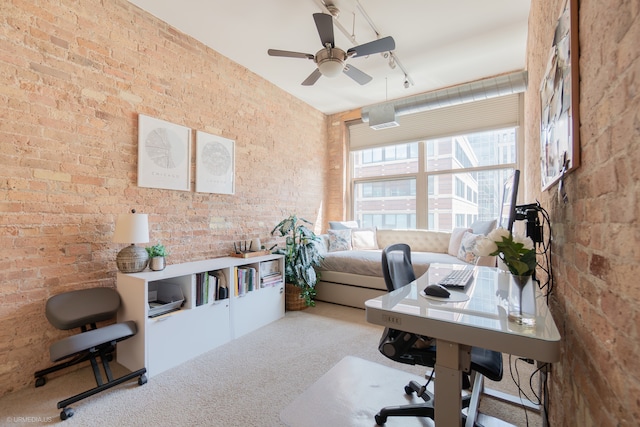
x: 457, y: 278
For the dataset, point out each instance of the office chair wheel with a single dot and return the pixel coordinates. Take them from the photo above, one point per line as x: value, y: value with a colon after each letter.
x: 380, y: 419
x: 40, y: 381
x: 66, y: 413
x: 142, y: 380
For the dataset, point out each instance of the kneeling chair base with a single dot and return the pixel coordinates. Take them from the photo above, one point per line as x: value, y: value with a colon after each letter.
x: 92, y: 343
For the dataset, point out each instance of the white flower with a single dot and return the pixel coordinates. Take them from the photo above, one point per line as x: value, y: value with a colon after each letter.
x: 498, y: 234
x: 485, y: 247
x: 526, y: 241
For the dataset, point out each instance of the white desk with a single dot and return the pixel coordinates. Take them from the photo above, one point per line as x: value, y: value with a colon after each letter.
x: 481, y: 321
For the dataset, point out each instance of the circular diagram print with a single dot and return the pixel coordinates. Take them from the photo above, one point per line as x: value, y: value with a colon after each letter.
x: 216, y: 158
x: 164, y: 148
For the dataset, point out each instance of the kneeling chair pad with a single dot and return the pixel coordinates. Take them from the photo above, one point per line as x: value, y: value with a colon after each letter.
x: 84, y: 341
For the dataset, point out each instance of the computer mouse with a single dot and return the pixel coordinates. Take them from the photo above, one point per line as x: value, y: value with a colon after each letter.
x: 436, y: 290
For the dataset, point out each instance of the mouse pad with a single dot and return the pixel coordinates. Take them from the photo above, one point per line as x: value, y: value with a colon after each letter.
x: 453, y: 297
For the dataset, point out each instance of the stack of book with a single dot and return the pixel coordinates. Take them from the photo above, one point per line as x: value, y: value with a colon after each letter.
x: 270, y: 274
x: 271, y: 279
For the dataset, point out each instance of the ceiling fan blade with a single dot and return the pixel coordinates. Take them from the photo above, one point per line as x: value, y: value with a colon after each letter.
x: 381, y: 45
x: 289, y: 54
x: 313, y: 77
x: 324, y: 23
x: 357, y: 75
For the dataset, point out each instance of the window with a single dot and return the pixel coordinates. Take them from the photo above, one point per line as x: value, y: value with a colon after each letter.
x: 460, y: 181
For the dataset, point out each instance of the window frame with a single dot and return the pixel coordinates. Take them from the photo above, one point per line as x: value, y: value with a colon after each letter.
x: 422, y: 176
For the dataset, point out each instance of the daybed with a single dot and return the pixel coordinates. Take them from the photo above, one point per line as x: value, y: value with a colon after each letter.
x: 351, y: 271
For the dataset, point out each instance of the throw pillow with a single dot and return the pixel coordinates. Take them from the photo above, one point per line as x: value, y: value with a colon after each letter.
x: 467, y: 252
x: 342, y: 225
x: 339, y: 240
x: 483, y: 227
x: 364, y: 238
x: 456, y: 239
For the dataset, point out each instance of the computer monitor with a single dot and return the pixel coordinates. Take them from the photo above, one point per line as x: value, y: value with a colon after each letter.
x: 509, y: 196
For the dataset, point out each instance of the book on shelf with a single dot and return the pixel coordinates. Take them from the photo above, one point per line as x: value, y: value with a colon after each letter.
x: 208, y: 288
x: 245, y: 280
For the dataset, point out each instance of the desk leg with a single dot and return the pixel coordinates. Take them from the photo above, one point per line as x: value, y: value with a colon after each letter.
x: 450, y: 359
x: 542, y: 391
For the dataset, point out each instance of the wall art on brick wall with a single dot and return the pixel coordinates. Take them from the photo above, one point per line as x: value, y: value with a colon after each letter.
x: 559, y: 91
x: 164, y: 154
x: 215, y: 164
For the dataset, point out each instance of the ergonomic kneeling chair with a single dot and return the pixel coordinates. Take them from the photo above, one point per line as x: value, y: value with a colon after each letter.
x: 409, y: 348
x: 83, y: 309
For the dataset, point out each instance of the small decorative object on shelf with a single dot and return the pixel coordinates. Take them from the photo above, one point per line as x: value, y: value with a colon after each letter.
x: 518, y: 254
x: 157, y: 257
x: 244, y: 250
x: 132, y: 228
x: 300, y: 257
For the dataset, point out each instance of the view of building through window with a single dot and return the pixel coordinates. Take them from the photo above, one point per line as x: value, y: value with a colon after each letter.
x: 458, y: 181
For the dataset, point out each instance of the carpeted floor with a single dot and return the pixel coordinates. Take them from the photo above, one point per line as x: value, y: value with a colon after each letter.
x: 247, y: 382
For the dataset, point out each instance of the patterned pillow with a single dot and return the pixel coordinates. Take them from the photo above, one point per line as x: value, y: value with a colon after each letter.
x: 468, y: 247
x: 456, y: 239
x: 339, y: 240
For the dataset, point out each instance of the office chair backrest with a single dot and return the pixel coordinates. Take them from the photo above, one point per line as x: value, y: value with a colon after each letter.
x: 396, y: 266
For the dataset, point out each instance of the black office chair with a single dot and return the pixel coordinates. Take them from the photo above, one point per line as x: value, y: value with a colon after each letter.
x: 83, y: 309
x: 413, y: 349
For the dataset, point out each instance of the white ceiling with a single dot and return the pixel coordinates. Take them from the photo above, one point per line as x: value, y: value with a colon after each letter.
x: 439, y: 42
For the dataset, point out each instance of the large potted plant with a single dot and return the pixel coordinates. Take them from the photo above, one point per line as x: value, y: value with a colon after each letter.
x: 301, y: 255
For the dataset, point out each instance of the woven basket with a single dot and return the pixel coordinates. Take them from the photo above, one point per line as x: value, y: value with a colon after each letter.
x: 292, y: 299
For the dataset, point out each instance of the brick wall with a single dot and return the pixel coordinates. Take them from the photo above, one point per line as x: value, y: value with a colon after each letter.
x: 596, y: 256
x: 74, y: 77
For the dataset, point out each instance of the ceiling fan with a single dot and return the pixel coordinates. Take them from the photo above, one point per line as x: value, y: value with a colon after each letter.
x: 332, y: 60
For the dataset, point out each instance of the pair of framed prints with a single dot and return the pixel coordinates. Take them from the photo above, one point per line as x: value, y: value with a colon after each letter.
x: 164, y: 158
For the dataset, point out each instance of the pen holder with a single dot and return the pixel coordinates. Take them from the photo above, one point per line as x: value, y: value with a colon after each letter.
x: 522, y: 300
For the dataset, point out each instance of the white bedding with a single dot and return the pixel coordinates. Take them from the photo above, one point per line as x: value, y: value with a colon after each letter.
x: 369, y: 262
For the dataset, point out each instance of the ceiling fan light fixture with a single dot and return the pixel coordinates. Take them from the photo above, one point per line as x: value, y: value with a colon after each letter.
x: 331, y: 67
x: 331, y: 61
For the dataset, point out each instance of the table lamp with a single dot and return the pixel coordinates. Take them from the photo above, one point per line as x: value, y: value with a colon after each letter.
x: 132, y: 228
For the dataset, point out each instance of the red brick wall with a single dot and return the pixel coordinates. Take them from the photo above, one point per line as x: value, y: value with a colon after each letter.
x: 596, y: 255
x: 74, y: 77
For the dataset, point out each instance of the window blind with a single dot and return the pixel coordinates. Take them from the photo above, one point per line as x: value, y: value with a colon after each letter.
x: 492, y: 113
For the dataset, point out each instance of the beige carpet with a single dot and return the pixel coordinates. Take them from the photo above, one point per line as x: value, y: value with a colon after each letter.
x: 246, y: 382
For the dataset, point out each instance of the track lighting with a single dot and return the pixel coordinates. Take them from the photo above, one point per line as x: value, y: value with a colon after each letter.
x: 406, y: 83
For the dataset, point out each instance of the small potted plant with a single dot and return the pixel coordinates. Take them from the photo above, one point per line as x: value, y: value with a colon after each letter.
x: 301, y: 255
x: 157, y: 254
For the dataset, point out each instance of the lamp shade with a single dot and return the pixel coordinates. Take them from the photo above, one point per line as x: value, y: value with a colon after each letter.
x: 132, y: 228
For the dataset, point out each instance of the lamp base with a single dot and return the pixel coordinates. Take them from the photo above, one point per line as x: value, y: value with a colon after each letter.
x: 132, y: 259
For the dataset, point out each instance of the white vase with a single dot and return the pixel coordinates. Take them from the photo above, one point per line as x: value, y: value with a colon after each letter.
x: 157, y: 263
x: 522, y: 300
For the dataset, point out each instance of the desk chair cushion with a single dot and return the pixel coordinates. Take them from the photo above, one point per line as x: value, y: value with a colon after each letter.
x: 78, y: 308
x: 84, y: 341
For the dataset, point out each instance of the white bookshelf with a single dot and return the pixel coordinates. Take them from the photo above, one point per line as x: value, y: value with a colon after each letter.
x: 172, y: 338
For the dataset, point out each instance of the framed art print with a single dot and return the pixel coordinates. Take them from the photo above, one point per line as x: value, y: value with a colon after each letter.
x: 164, y: 154
x: 559, y: 91
x: 215, y: 164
